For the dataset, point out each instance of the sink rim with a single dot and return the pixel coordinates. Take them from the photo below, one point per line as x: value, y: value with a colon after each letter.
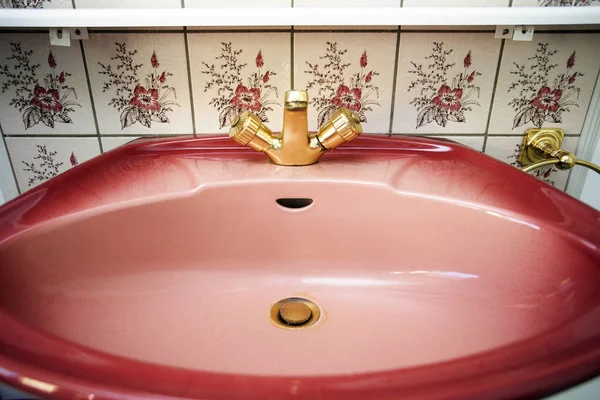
x: 529, y: 371
x: 112, y: 376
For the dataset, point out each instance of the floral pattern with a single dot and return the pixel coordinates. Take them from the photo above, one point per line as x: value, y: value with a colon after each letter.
x: 539, y: 98
x: 44, y: 166
x: 48, y: 101
x: 23, y: 3
x: 440, y: 98
x: 335, y: 90
x: 566, y: 3
x: 140, y: 101
x: 232, y: 94
x: 544, y: 173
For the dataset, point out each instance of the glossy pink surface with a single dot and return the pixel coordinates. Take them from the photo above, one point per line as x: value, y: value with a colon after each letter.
x: 440, y: 273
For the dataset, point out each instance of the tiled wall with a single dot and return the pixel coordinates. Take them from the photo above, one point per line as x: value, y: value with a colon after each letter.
x: 60, y: 106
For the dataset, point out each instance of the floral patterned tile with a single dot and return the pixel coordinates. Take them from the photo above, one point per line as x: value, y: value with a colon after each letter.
x: 352, y: 70
x: 456, y: 3
x: 474, y: 142
x: 548, y: 81
x: 36, y: 160
x: 232, y: 72
x: 507, y: 149
x: 445, y: 82
x: 43, y: 90
x: 236, y: 3
x: 555, y: 3
x: 110, y: 143
x: 36, y: 4
x: 128, y: 3
x: 140, y: 83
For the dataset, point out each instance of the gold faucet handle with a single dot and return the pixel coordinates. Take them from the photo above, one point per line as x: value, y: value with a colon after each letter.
x: 248, y: 130
x: 343, y: 126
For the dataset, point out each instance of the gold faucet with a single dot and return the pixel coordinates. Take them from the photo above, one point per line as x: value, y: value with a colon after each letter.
x: 295, y: 146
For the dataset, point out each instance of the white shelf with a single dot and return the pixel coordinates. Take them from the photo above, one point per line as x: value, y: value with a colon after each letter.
x: 268, y: 17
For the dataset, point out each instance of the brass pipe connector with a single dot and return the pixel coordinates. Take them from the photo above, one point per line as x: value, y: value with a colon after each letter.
x: 295, y: 146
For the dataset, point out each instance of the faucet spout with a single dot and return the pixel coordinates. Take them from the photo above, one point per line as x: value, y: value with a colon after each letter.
x: 295, y: 146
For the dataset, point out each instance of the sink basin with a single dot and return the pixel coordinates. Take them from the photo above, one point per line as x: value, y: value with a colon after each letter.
x: 438, y: 272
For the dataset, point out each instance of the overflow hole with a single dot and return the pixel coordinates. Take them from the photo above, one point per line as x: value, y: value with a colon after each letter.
x: 294, y: 202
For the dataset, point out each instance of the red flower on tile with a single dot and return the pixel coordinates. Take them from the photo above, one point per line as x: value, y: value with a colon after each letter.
x: 471, y: 77
x: 448, y: 98
x: 259, y: 59
x: 572, y: 78
x: 163, y: 77
x: 145, y: 99
x: 369, y: 77
x: 46, y: 99
x: 443, y: 98
x: 571, y: 61
x: 541, y: 96
x: 247, y: 99
x: 348, y: 98
x: 547, y: 99
x: 154, y: 60
x: 73, y: 159
x: 51, y: 60
x: 363, y: 59
x: 467, y: 60
x: 266, y: 77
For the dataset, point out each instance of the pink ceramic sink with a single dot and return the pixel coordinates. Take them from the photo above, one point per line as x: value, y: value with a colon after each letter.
x: 439, y: 273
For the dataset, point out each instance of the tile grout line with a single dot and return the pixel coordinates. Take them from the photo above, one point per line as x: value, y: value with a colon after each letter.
x: 189, y: 72
x: 92, y: 103
x: 394, y: 80
x: 12, y: 166
x: 284, y: 30
x: 91, y: 136
x: 292, y: 57
x: 493, y: 98
x: 172, y: 135
x: 581, y: 131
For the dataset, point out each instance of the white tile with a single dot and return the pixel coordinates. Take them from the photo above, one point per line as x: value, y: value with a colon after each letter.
x: 35, y: 160
x: 8, y: 184
x: 236, y: 3
x: 227, y: 67
x: 542, y: 83
x: 554, y: 3
x: 347, y: 3
x: 507, y: 149
x: 128, y: 3
x: 474, y: 142
x: 456, y: 3
x: 110, y: 143
x: 445, y: 82
x: 353, y: 70
x: 44, y: 89
x: 140, y: 83
x: 36, y: 4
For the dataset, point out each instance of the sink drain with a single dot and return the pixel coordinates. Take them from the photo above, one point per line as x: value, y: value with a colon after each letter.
x: 294, y: 313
